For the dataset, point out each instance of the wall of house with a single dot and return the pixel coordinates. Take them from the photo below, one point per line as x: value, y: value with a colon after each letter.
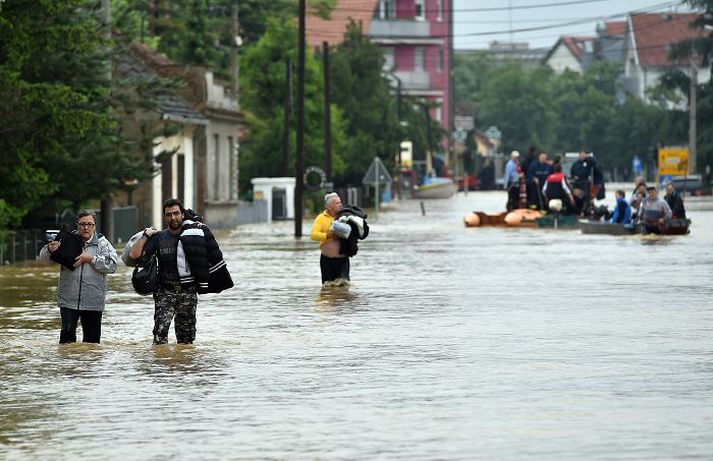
x: 562, y: 59
x: 182, y: 183
x: 221, y: 173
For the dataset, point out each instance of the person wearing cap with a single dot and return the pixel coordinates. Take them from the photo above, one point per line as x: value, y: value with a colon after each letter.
x: 654, y: 212
x: 511, y: 180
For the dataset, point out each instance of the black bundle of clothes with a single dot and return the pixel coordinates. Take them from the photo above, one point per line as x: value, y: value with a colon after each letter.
x: 355, y: 217
x: 71, y: 246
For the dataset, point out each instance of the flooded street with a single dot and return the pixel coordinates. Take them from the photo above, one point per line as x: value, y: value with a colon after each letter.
x: 452, y: 343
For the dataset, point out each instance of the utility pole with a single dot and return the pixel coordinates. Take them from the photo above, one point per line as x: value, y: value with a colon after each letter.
x: 299, y: 163
x: 327, y: 113
x: 288, y: 114
x: 692, y: 117
x: 234, y: 48
x: 106, y: 201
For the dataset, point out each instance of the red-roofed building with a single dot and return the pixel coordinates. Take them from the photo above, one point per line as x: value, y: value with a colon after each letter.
x: 571, y: 53
x: 609, y: 45
x: 415, y: 36
x: 648, y: 42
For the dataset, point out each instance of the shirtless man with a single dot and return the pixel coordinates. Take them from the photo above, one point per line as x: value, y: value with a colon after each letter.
x: 333, y: 264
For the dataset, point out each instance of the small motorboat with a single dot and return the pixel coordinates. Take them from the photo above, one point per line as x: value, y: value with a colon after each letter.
x: 670, y: 227
x: 436, y: 188
x: 557, y: 221
x: 605, y: 227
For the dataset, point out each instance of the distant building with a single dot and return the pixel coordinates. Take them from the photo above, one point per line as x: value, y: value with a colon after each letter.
x: 609, y: 44
x: 571, y: 53
x: 415, y: 36
x: 649, y: 38
x: 516, y: 51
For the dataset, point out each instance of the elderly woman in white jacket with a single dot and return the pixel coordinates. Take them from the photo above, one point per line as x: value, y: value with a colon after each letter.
x: 81, y: 293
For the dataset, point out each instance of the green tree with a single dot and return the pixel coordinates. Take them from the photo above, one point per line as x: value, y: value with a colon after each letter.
x: 58, y: 133
x: 263, y: 95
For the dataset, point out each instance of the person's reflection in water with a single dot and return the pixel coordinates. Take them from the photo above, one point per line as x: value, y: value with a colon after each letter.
x: 335, y: 299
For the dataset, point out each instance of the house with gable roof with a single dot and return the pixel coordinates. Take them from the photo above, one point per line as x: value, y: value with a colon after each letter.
x: 199, y: 163
x: 649, y: 38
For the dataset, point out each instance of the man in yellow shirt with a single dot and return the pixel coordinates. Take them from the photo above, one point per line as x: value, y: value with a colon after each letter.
x: 333, y: 265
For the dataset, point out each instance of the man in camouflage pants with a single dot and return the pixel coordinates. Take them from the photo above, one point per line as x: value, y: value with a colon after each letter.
x: 171, y: 298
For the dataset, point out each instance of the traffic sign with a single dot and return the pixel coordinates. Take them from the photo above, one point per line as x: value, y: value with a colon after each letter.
x: 376, y: 174
x: 673, y: 161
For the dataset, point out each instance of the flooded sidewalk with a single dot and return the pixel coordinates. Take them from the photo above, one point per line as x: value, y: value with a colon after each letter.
x: 451, y: 343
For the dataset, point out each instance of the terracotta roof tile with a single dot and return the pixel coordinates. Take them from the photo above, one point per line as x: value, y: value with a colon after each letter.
x: 655, y: 33
x: 320, y: 30
x: 576, y: 45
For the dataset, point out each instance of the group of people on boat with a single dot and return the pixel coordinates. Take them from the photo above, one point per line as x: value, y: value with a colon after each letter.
x: 644, y: 207
x: 540, y: 184
x: 537, y: 181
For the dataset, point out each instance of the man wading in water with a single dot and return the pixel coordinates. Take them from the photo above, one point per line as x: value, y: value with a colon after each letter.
x: 334, y: 265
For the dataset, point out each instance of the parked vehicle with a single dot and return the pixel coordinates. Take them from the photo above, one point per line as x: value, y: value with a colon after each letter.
x: 691, y: 185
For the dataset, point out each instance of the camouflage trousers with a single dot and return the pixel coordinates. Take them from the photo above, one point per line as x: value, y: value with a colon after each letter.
x: 181, y: 304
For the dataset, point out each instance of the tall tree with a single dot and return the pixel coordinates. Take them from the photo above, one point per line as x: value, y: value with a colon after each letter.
x: 58, y: 132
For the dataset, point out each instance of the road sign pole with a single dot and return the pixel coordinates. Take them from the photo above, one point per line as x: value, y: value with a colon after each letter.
x: 376, y: 182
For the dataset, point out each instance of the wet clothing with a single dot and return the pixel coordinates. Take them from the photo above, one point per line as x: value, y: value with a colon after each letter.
x: 188, y: 263
x: 355, y: 218
x: 84, y: 288
x: 180, y: 303
x: 200, y: 261
x: 128, y: 261
x: 675, y: 202
x: 91, y: 325
x: 334, y: 268
x: 320, y: 228
x: 622, y: 212
x: 81, y: 293
x: 165, y: 245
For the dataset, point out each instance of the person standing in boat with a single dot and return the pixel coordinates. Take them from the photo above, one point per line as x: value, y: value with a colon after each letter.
x: 536, y: 177
x: 332, y: 263
x: 675, y: 202
x: 654, y: 212
x: 581, y: 172
x: 511, y: 180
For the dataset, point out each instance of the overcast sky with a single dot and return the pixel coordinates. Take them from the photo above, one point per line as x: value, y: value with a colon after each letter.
x: 496, y: 23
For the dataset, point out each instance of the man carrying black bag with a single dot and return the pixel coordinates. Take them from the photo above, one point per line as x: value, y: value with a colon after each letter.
x: 189, y: 262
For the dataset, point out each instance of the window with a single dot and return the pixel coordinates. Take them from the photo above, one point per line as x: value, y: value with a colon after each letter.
x: 420, y: 10
x: 439, y: 10
x: 418, y: 58
x: 387, y: 9
x: 439, y: 115
x: 389, y: 60
x: 440, y: 59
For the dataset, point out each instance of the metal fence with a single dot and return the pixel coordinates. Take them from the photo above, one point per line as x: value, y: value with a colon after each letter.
x: 17, y: 246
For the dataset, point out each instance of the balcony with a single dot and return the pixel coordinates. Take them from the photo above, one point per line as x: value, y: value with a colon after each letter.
x: 414, y: 80
x: 395, y: 28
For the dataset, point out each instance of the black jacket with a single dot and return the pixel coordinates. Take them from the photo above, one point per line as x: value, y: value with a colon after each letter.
x: 349, y: 246
x: 208, y: 270
x: 675, y: 202
x: 71, y: 246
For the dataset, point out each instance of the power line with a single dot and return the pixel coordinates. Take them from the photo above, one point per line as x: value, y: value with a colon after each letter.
x: 647, y: 9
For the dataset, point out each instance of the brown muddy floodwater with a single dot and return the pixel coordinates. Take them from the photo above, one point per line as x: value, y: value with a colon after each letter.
x: 452, y: 343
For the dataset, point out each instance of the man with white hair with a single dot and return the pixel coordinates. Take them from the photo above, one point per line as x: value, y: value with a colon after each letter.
x: 511, y: 180
x: 333, y: 265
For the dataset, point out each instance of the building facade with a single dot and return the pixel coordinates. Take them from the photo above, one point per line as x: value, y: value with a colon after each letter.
x: 416, y: 36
